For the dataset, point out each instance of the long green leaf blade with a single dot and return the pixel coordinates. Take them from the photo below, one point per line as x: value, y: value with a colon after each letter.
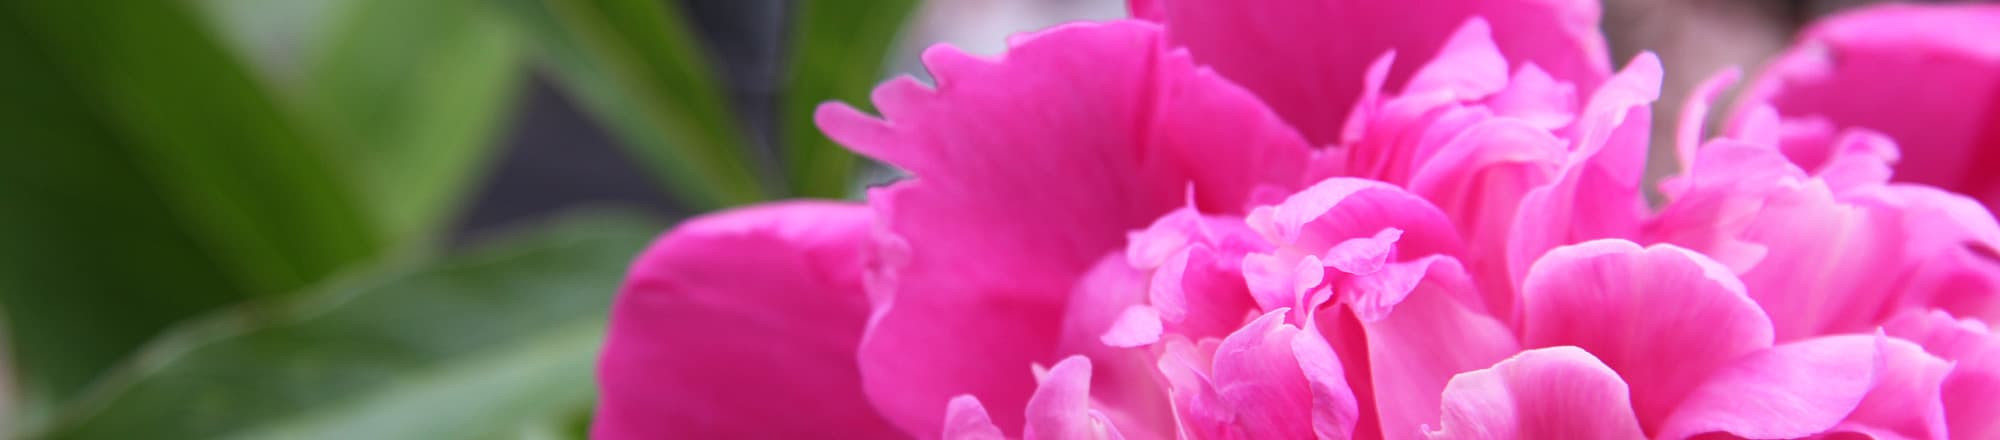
x: 415, y: 92
x: 635, y: 65
x: 837, y: 53
x: 150, y: 177
x: 476, y: 345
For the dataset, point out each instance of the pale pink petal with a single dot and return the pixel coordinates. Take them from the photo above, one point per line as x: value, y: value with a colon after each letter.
x: 1815, y: 264
x: 1969, y: 407
x: 1694, y: 113
x: 1136, y: 326
x: 1121, y: 378
x: 742, y: 324
x: 1597, y: 195
x: 1546, y: 393
x: 1185, y: 367
x: 1662, y: 317
x: 1948, y: 242
x: 1257, y: 374
x: 1061, y: 407
x: 1028, y: 168
x: 1312, y: 226
x: 1788, y: 391
x: 1905, y: 401
x: 1327, y: 45
x: 1468, y: 67
x: 1478, y: 180
x: 966, y: 419
x: 1536, y: 98
x: 1928, y: 76
x: 1435, y: 332
x: 1334, y: 409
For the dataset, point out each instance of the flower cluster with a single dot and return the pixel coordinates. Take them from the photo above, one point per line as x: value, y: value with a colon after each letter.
x: 1357, y: 219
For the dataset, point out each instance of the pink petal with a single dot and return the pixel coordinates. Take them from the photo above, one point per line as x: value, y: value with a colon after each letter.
x: 1478, y: 180
x: 1324, y: 42
x: 1061, y: 408
x: 1122, y: 378
x: 1968, y: 390
x: 1534, y: 97
x: 1556, y: 392
x: 1257, y: 374
x: 1662, y: 317
x: 1905, y: 401
x: 1788, y: 391
x: 1334, y: 409
x: 1435, y: 332
x: 1928, y: 76
x: 742, y: 324
x: 1028, y: 168
x: 1597, y: 195
x: 1694, y: 113
x: 966, y: 419
x: 1816, y: 265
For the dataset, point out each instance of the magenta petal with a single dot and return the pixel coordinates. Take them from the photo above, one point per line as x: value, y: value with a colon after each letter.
x: 1435, y: 332
x: 1597, y: 195
x: 1028, y: 169
x: 1327, y: 45
x: 742, y: 324
x: 1546, y: 393
x: 1478, y: 180
x: 1970, y: 410
x: 1788, y: 391
x: 1662, y: 317
x: 1928, y: 76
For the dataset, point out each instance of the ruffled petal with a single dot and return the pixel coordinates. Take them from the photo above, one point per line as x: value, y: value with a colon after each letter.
x: 1326, y: 45
x: 1791, y: 390
x: 1028, y: 168
x: 1662, y: 317
x: 1257, y: 374
x: 1928, y: 76
x: 1478, y: 180
x: 742, y: 324
x: 1433, y: 333
x: 1597, y: 195
x: 1556, y: 392
x: 1967, y: 392
x: 1061, y: 407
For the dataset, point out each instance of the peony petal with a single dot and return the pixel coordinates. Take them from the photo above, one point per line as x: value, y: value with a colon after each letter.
x: 966, y: 419
x: 1694, y: 113
x: 1334, y: 410
x: 1905, y: 401
x: 1788, y: 391
x: 1327, y: 44
x: 1478, y: 180
x: 742, y: 324
x: 1928, y: 76
x: 1556, y: 392
x: 1662, y: 317
x: 1257, y: 374
x: 1435, y: 332
x: 1597, y: 195
x: 1968, y: 390
x: 1122, y: 378
x: 1028, y: 168
x: 1060, y: 408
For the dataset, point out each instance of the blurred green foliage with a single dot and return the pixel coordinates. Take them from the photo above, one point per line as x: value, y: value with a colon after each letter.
x: 225, y: 217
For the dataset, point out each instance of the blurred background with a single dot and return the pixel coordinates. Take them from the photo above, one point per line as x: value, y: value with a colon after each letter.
x: 406, y: 219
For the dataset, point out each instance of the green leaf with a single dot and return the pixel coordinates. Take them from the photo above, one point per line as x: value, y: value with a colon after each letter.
x: 636, y: 66
x: 837, y: 53
x: 150, y: 177
x: 487, y: 343
x: 414, y: 92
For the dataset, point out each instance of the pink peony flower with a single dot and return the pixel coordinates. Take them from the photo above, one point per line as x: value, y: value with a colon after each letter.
x: 1224, y: 222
